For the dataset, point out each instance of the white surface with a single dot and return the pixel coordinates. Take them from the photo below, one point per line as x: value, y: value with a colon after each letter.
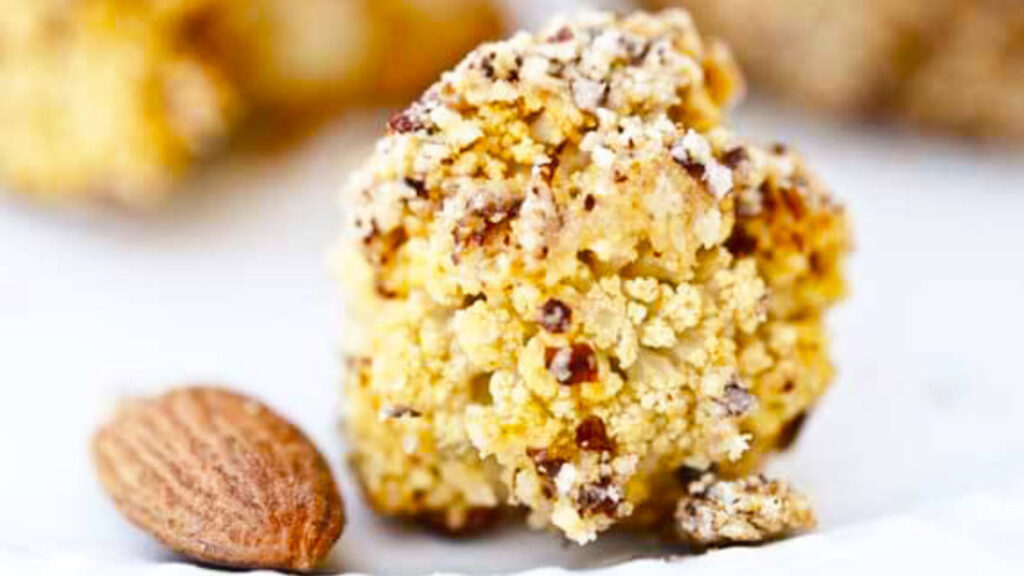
x: 915, y: 458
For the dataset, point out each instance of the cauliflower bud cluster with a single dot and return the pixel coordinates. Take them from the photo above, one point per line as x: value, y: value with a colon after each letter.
x: 568, y: 283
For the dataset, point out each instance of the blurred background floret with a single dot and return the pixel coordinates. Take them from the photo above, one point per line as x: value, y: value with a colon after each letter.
x: 949, y: 65
x: 118, y: 99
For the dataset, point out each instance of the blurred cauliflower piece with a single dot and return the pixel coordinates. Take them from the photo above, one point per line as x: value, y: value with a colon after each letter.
x: 951, y: 64
x: 117, y: 99
x: 974, y: 80
x: 328, y: 52
x: 103, y: 98
x: 568, y: 280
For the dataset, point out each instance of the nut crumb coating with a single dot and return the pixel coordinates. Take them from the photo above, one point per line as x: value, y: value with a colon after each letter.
x: 752, y: 510
x: 567, y: 279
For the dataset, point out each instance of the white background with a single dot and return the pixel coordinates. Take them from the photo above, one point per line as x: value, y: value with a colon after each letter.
x: 915, y: 458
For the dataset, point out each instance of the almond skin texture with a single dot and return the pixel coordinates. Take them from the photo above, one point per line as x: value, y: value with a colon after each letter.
x: 220, y: 478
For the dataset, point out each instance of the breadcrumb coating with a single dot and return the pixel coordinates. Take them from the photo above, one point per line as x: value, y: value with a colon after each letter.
x: 567, y: 280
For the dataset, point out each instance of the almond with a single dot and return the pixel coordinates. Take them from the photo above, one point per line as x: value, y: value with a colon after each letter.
x: 220, y: 478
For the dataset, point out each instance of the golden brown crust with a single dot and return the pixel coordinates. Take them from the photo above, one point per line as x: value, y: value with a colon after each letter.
x: 220, y: 478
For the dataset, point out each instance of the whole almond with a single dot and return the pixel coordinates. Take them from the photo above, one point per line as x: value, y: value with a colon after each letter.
x: 220, y: 478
